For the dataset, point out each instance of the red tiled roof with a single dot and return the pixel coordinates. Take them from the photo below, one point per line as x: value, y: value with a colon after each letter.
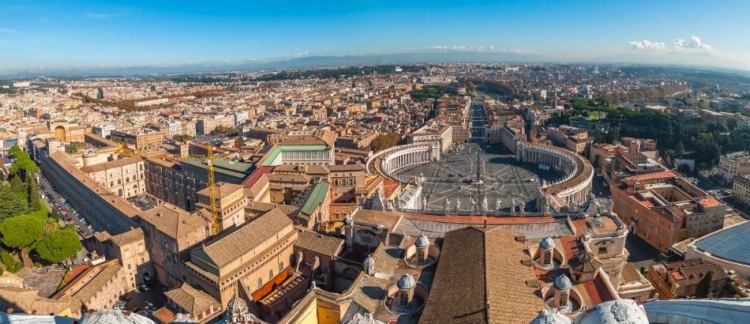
x: 253, y: 178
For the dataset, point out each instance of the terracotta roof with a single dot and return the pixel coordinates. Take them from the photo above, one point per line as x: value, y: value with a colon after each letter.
x: 79, y: 297
x: 262, y: 207
x: 173, y: 221
x: 112, y: 164
x: 480, y: 279
x: 27, y: 301
x: 347, y: 168
x: 236, y: 244
x: 130, y: 236
x: 297, y: 178
x: 318, y: 243
x: 223, y: 189
x: 692, y: 271
x: 192, y: 300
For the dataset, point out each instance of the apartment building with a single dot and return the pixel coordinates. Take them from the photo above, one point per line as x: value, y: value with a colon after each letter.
x: 205, y: 126
x: 680, y: 279
x: 125, y: 177
x: 165, y: 181
x: 139, y: 141
x: 732, y: 164
x: 572, y: 138
x: 741, y: 189
x: 195, y: 176
x: 663, y: 208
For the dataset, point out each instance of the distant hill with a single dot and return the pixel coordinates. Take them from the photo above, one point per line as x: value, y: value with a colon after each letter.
x: 296, y: 63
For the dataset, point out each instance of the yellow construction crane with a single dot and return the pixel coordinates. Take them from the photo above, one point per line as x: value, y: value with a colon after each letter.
x: 212, y: 191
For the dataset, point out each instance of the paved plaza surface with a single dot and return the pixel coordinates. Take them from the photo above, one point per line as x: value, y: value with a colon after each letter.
x: 503, y: 181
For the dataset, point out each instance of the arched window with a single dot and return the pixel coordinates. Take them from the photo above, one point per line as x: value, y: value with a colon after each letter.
x: 564, y: 299
x: 270, y: 274
x: 281, y: 266
x: 547, y: 258
x: 404, y: 299
x: 260, y: 282
x: 119, y: 192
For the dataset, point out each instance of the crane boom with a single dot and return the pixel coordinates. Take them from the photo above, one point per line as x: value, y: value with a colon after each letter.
x: 212, y: 191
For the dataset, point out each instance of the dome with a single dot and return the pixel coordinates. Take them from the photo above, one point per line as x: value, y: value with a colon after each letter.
x: 369, y: 262
x: 406, y: 282
x: 547, y: 243
x: 422, y: 241
x: 562, y: 283
x: 550, y: 317
x: 614, y: 311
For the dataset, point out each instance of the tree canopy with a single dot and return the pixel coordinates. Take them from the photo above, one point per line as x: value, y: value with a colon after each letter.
x: 10, y: 204
x: 21, y: 231
x: 59, y: 245
x: 384, y: 141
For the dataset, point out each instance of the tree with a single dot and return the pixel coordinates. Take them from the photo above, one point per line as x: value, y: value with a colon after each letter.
x: 16, y: 185
x: 181, y: 138
x: 72, y: 148
x: 704, y: 286
x: 21, y: 231
x: 384, y: 141
x: 53, y: 214
x: 732, y: 123
x: 59, y: 245
x: 33, y: 194
x: 680, y: 149
x: 10, y: 205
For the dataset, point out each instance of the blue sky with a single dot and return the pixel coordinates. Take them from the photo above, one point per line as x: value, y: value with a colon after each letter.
x: 65, y: 34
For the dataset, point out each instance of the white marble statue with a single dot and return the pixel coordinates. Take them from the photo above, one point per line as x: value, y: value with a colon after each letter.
x: 497, y: 204
x: 521, y: 207
x: 446, y: 205
x: 458, y: 205
x: 484, y: 203
x: 424, y: 203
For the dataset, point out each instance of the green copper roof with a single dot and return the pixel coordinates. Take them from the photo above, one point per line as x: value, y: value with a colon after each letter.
x: 230, y: 168
x: 315, y: 198
x: 287, y: 148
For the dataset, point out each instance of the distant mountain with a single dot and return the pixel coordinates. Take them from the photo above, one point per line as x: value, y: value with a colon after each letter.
x: 672, y: 58
x: 296, y: 63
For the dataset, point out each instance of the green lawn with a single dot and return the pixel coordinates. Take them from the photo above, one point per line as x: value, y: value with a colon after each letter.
x: 40, y: 214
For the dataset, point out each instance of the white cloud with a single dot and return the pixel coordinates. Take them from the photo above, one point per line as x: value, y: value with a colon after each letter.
x: 9, y: 31
x: 521, y: 51
x: 693, y: 44
x: 647, y: 45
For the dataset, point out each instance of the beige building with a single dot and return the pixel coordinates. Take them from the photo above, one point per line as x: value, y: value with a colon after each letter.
x: 732, y: 164
x: 124, y: 177
x: 230, y: 204
x: 741, y: 189
x: 246, y: 259
x: 130, y: 249
x: 99, y: 286
x: 199, y: 305
x: 171, y: 231
x: 573, y: 138
x: 139, y: 141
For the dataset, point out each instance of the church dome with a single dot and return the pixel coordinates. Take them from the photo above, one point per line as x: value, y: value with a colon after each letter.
x: 614, y: 311
x: 406, y: 282
x: 547, y: 243
x: 422, y: 241
x: 562, y: 283
x: 369, y: 262
x: 550, y: 317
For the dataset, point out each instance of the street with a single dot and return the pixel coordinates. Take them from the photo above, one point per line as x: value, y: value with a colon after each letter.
x: 67, y: 214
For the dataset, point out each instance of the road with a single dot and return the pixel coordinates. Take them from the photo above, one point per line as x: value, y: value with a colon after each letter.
x: 55, y: 200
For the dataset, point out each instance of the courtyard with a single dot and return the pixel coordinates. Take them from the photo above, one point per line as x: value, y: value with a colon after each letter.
x: 472, y: 174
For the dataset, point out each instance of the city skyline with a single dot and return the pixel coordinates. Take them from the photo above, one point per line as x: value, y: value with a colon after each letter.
x: 45, y: 35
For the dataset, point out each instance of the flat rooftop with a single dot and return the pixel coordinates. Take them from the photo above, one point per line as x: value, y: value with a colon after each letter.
x: 730, y: 243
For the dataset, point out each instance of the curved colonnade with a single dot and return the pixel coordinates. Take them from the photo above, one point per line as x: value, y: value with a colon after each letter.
x: 395, y: 158
x: 574, y: 187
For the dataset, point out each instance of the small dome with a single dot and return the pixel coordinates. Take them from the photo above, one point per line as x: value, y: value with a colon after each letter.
x: 547, y: 243
x: 550, y: 317
x: 369, y: 262
x: 422, y: 241
x: 406, y: 282
x: 562, y: 283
